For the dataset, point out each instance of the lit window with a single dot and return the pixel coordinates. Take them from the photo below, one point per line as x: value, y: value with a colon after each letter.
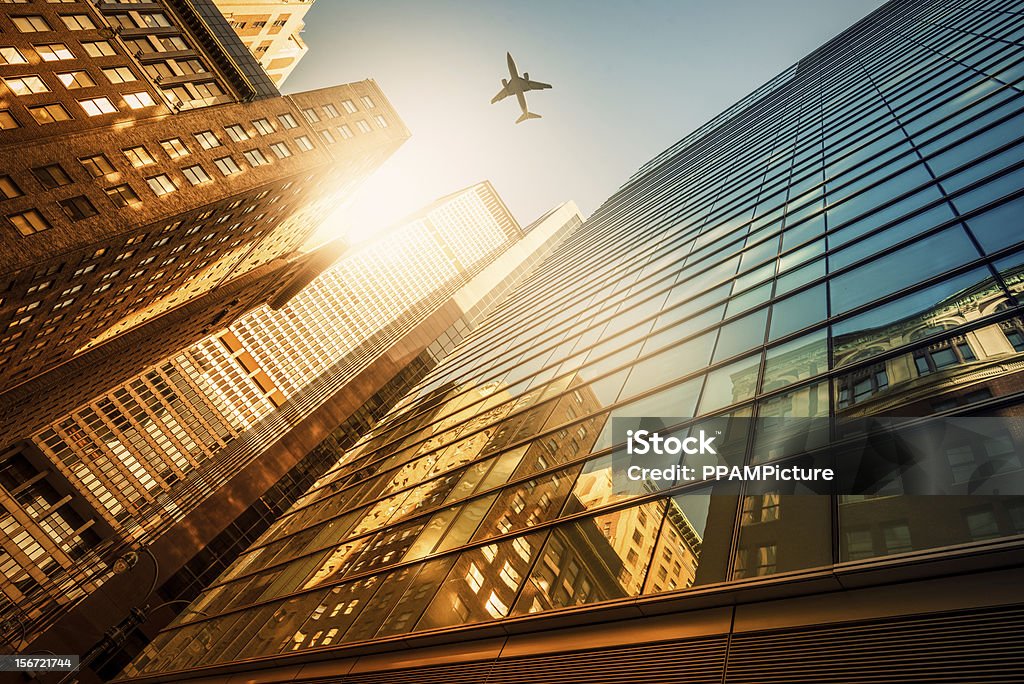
x: 207, y: 140
x: 7, y: 120
x: 47, y: 114
x: 227, y: 166
x: 263, y: 126
x: 26, y: 85
x: 139, y: 100
x: 120, y: 74
x: 139, y: 156
x: 288, y: 121
x: 76, y: 79
x: 99, y: 48
x: 363, y: 126
x: 54, y: 52
x: 346, y: 131
x: 96, y: 106
x: 311, y: 115
x: 97, y: 165
x: 304, y: 144
x: 8, y: 188
x: 174, y: 148
x: 30, y: 24
x: 281, y: 150
x: 51, y: 176
x: 28, y: 222
x: 77, y: 22
x: 381, y: 121
x: 331, y: 112
x: 327, y: 135
x: 367, y: 102
x: 11, y: 55
x: 256, y: 158
x: 161, y: 185
x: 78, y: 208
x: 474, y: 578
x: 236, y: 133
x: 196, y: 175
x: 349, y: 106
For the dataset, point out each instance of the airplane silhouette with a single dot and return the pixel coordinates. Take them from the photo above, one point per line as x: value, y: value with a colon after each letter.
x: 518, y: 85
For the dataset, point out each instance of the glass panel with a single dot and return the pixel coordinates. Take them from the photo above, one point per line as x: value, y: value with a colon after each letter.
x: 888, y: 327
x: 1000, y: 227
x: 798, y: 312
x: 595, y: 559
x: 905, y: 266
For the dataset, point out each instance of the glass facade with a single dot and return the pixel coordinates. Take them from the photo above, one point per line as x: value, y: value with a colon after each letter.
x: 847, y: 243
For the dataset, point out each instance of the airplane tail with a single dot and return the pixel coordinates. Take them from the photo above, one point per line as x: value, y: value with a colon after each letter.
x: 527, y: 115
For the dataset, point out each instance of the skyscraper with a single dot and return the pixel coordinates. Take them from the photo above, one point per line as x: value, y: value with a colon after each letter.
x: 843, y: 243
x: 155, y: 187
x: 270, y: 29
x: 171, y: 458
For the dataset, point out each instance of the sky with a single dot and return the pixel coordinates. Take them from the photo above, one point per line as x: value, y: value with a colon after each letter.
x: 629, y: 79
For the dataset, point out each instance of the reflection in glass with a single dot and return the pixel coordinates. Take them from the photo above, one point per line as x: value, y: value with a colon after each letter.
x: 594, y: 559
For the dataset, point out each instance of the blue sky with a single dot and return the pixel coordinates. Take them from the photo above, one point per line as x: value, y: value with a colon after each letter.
x: 629, y: 79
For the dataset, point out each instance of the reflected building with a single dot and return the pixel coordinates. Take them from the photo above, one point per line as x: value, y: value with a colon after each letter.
x: 210, y: 414
x: 839, y: 246
x: 271, y: 30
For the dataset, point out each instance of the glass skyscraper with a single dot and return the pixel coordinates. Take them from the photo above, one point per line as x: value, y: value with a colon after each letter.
x: 844, y: 243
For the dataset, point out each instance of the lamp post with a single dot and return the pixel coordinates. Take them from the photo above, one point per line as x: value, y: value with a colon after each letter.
x: 118, y: 634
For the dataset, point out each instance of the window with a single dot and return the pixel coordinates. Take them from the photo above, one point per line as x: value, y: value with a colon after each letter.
x: 96, y: 106
x: 196, y: 175
x: 8, y: 188
x: 120, y: 74
x: 29, y: 222
x: 30, y: 24
x: 161, y: 185
x: 207, y: 140
x: 77, y: 22
x: 48, y: 114
x: 122, y: 196
x: 363, y: 126
x: 54, y: 52
x: 73, y: 80
x: 26, y: 85
x: 7, y: 120
x: 139, y: 156
x: 288, y: 121
x: 281, y: 150
x: 51, y: 176
x: 78, y: 208
x: 236, y: 133
x: 256, y: 158
x: 304, y: 144
x: 345, y: 131
x: 174, y: 148
x: 11, y: 55
x: 349, y: 106
x: 381, y: 121
x: 139, y: 100
x: 327, y: 135
x: 263, y: 126
x: 155, y: 20
x: 311, y: 115
x: 99, y: 48
x: 367, y: 102
x: 97, y: 165
x: 227, y: 166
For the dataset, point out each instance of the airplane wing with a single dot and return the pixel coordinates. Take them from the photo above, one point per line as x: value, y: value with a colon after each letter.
x: 535, y: 85
x: 502, y: 94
